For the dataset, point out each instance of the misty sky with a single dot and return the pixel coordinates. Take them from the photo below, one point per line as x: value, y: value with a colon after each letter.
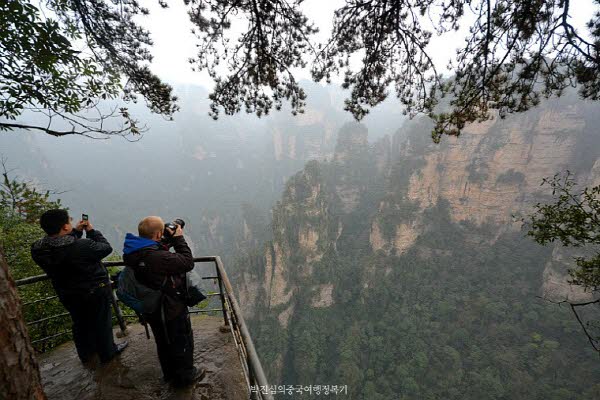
x: 174, y: 43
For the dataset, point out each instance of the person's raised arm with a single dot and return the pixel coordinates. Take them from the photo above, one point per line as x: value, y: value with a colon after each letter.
x: 98, y: 246
x: 78, y: 230
x: 179, y: 262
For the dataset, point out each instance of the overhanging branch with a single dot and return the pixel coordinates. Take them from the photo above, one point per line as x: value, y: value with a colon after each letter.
x: 90, y: 133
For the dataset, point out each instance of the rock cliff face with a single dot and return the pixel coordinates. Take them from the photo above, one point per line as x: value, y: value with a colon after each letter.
x: 374, y: 199
x: 488, y: 175
x: 491, y: 174
x: 495, y: 168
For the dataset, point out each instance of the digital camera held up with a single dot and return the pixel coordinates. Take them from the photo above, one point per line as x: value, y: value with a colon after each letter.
x: 173, y: 227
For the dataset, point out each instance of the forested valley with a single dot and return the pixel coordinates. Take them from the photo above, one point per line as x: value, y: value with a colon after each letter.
x: 402, y: 268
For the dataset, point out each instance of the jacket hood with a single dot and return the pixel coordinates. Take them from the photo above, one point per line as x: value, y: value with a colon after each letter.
x: 51, y: 250
x: 134, y: 243
x: 48, y: 242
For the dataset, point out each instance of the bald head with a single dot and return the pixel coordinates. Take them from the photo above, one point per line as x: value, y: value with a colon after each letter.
x: 149, y: 226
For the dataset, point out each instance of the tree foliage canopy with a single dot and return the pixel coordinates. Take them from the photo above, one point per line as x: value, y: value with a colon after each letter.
x: 516, y: 52
x: 573, y: 218
x: 259, y: 63
x: 61, y: 58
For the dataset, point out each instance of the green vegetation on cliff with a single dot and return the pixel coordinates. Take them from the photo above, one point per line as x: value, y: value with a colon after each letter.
x: 454, y: 316
x: 448, y: 319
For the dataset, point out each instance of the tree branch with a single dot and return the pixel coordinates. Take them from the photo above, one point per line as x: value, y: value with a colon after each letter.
x: 592, y: 341
x: 573, y: 306
x: 5, y: 125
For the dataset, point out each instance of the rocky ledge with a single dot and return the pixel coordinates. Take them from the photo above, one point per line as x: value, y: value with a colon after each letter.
x: 136, y: 374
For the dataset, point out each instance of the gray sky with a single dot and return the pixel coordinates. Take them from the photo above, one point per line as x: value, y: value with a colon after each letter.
x: 174, y: 43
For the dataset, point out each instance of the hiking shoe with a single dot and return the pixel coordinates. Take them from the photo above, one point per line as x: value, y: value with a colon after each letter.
x: 199, y: 374
x: 120, y: 347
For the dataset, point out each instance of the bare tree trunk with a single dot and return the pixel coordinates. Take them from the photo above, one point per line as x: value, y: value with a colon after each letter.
x: 19, y: 374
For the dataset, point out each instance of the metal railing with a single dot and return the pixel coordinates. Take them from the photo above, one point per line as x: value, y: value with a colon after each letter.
x: 232, y: 318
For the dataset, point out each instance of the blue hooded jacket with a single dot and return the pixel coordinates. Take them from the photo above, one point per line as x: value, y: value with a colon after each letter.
x: 134, y: 243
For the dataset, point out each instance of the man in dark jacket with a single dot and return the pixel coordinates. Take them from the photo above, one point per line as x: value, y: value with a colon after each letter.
x: 159, y: 269
x: 80, y: 281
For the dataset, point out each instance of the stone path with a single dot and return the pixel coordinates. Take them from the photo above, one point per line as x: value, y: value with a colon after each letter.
x: 136, y: 374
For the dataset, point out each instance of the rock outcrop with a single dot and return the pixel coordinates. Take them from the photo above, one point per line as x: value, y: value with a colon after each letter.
x: 491, y: 174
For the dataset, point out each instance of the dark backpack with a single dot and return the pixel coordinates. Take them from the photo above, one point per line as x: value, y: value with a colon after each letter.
x: 145, y: 300
x: 139, y: 297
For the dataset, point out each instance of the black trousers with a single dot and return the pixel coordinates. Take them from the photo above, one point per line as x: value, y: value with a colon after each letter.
x: 175, y: 346
x: 92, y: 323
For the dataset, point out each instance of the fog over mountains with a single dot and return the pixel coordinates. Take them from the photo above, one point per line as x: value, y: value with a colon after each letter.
x: 195, y: 168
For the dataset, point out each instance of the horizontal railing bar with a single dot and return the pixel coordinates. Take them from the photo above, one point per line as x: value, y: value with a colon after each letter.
x: 50, y: 337
x: 31, y: 279
x: 43, y: 277
x: 48, y: 318
x: 189, y: 312
x: 114, y: 263
x: 210, y: 277
x: 205, y: 311
x: 206, y: 259
x: 196, y: 259
x: 207, y: 295
x: 40, y: 300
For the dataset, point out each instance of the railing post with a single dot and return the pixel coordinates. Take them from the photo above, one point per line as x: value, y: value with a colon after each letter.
x: 115, y: 304
x: 118, y: 312
x: 221, y: 295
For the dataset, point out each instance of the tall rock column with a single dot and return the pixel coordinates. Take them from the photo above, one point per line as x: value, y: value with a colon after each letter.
x: 19, y: 374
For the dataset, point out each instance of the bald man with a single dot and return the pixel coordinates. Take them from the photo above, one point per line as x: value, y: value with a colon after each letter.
x: 158, y: 268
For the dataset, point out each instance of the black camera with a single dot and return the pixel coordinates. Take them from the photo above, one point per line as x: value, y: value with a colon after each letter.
x: 173, y: 227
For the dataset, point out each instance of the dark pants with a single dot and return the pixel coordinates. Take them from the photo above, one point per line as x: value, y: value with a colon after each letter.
x: 175, y: 346
x: 92, y: 323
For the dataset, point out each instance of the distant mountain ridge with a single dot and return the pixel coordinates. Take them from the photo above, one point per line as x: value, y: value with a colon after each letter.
x: 205, y: 171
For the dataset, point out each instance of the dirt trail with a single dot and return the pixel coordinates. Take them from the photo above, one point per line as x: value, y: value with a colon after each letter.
x: 136, y: 374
